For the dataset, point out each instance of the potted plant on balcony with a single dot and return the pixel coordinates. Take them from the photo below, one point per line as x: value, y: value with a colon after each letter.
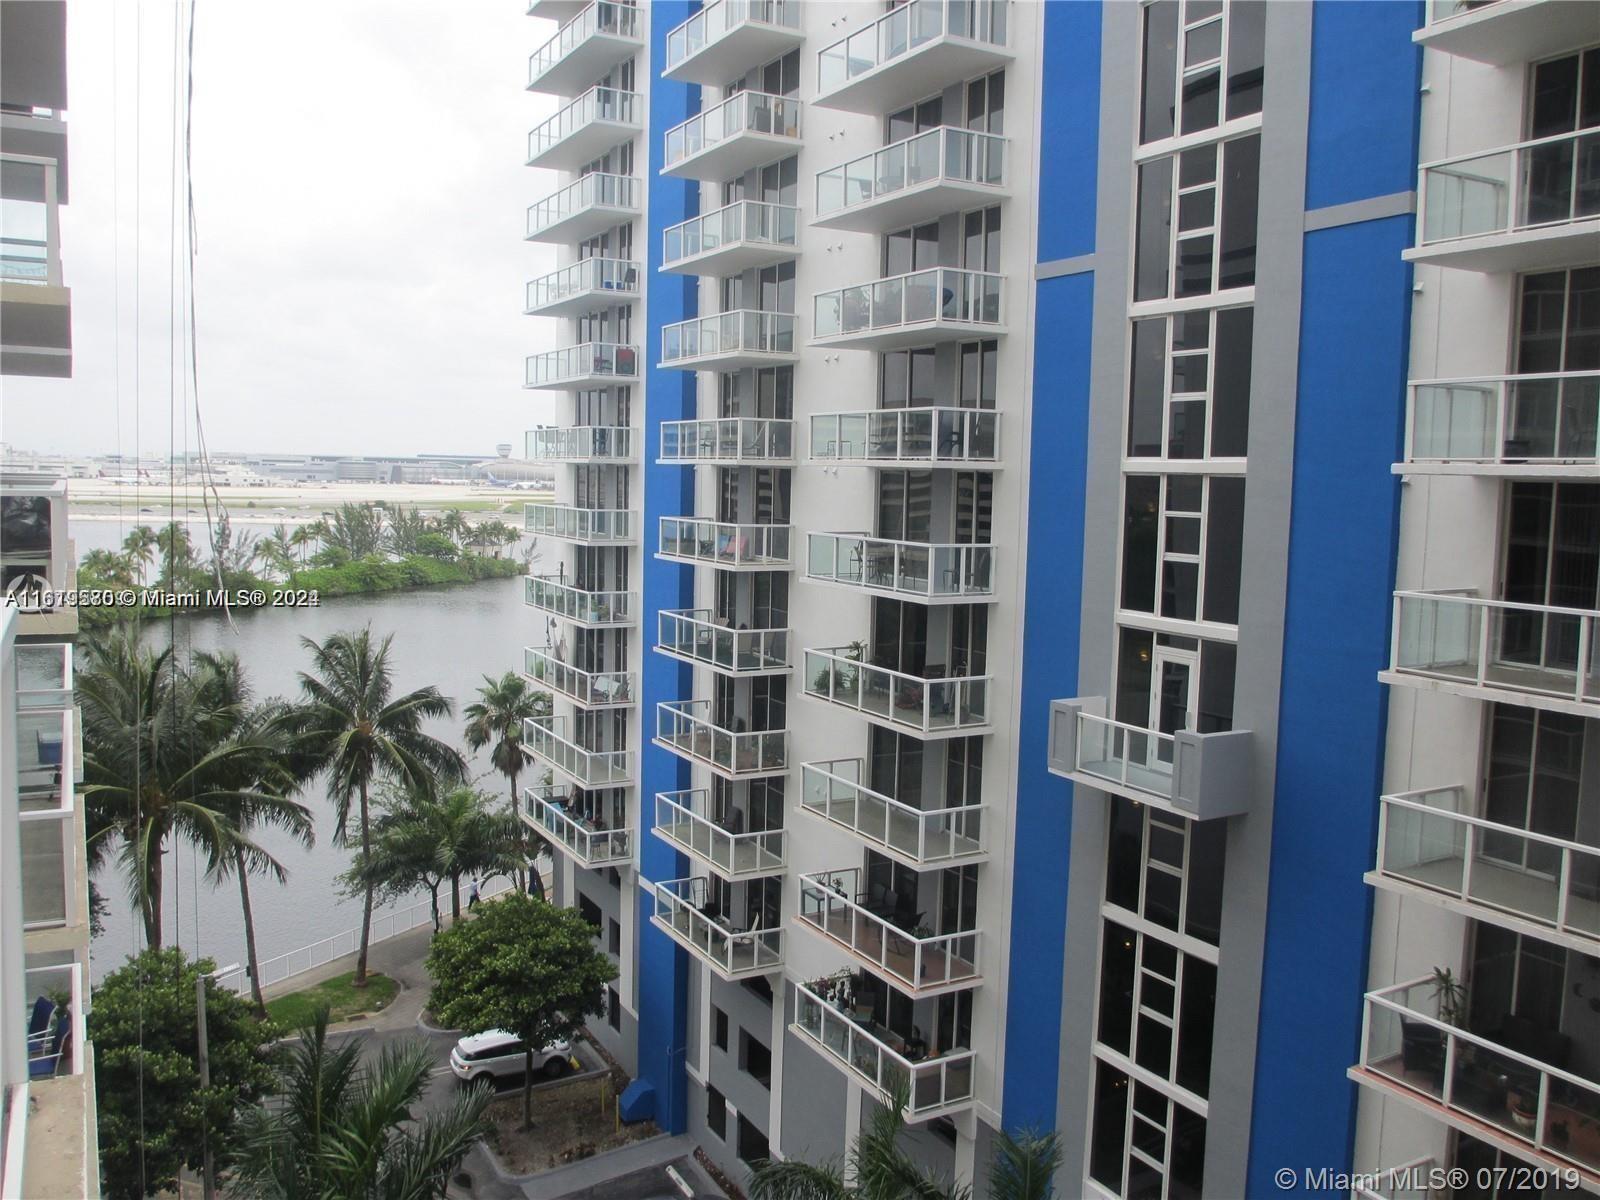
x: 1451, y: 995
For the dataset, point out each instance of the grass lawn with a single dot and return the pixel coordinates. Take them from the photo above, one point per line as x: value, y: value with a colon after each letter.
x: 343, y: 1000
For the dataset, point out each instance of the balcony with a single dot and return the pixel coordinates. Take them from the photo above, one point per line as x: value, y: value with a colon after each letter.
x: 685, y: 727
x: 936, y: 1085
x: 685, y: 913
x: 43, y: 675
x: 585, y: 129
x: 35, y: 303
x: 723, y: 544
x: 49, y: 835
x: 690, y: 635
x: 589, y: 205
x: 920, y: 309
x: 587, y: 284
x: 747, y: 130
x: 727, y: 442
x: 602, y: 35
x: 1430, y: 843
x: 935, y: 706
x: 590, y: 689
x: 586, y: 768
x: 594, y: 610
x: 1196, y: 775
x: 1507, y: 426
x: 585, y: 526
x: 916, y: 179
x: 912, y: 51
x: 915, y: 960
x: 36, y: 555
x: 917, y: 437
x: 582, y: 444
x: 723, y: 846
x: 921, y: 838
x: 922, y: 571
x: 731, y: 239
x: 582, y: 367
x: 729, y: 341
x: 1531, y: 654
x: 1476, y: 1083
x: 1528, y: 207
x: 727, y: 37
x: 1415, y: 1180
x: 1506, y: 31
x: 551, y: 811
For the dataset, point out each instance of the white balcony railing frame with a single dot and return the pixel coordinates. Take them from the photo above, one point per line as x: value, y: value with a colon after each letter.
x: 732, y: 440
x: 1419, y: 1179
x: 746, y: 222
x: 1505, y: 420
x: 44, y: 675
x: 544, y: 810
x: 931, y: 436
x: 587, y: 768
x: 611, y: 105
x: 943, y: 155
x: 685, y: 727
x: 922, y: 570
x: 899, y: 32
x: 721, y: 17
x: 606, y: 525
x: 594, y: 190
x: 585, y: 361
x: 739, y: 331
x: 614, y: 275
x: 725, y: 543
x: 733, y: 953
x: 1132, y: 757
x: 49, y: 981
x: 26, y: 257
x: 554, y: 595
x: 693, y: 635
x: 591, y: 689
x: 925, y: 837
x: 1432, y: 825
x: 925, y: 705
x: 940, y: 296
x: 603, y: 16
x: 917, y: 965
x: 682, y: 821
x: 743, y: 112
x: 1462, y: 197
x: 581, y: 443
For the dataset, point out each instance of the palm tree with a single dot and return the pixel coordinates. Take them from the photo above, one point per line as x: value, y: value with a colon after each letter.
x: 303, y: 536
x: 176, y: 554
x: 277, y: 549
x: 341, y: 1127
x: 497, y: 716
x: 350, y: 725
x: 140, y: 545
x: 1022, y: 1167
x: 424, y: 839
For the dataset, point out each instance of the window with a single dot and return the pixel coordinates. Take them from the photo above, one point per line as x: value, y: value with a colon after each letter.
x: 590, y: 912
x: 615, y: 943
x: 781, y: 77
x: 1181, y: 544
x: 719, y: 1028
x: 986, y: 103
x: 1188, y: 47
x: 752, y: 1142
x: 1196, y: 221
x: 755, y: 1059
x: 906, y: 379
x: 980, y: 243
x: 613, y: 1009
x: 1564, y: 97
x: 913, y: 249
x: 716, y: 1113
x: 1189, y: 385
x: 1551, y: 558
x: 913, y: 120
x: 1166, y: 870
x: 1156, y: 685
x: 1534, y: 782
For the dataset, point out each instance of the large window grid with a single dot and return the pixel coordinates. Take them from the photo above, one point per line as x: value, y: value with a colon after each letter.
x: 1195, y: 219
x: 1189, y: 390
x: 1180, y: 549
x: 1189, y: 46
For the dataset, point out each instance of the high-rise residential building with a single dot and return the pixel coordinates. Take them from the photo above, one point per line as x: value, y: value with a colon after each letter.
x: 970, y: 394
x: 1480, y: 1048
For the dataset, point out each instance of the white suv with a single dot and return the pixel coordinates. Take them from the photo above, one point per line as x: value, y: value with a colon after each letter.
x: 498, y: 1054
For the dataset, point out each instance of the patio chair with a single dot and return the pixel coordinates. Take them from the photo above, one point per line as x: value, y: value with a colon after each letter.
x: 39, y: 1019
x: 45, y: 1050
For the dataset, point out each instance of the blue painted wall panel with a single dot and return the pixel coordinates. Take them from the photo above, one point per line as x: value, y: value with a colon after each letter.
x: 1069, y: 132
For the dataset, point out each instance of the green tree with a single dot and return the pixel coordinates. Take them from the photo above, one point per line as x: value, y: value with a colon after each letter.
x: 407, y: 527
x: 109, y: 568
x: 154, y: 1117
x: 304, y: 536
x: 176, y: 555
x: 496, y: 718
x: 277, y: 550
x: 524, y: 966
x: 351, y: 726
x: 357, y: 529
x: 339, y: 1128
x: 140, y: 547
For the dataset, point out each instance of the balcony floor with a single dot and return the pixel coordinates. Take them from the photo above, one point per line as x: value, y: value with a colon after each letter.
x: 747, y: 44
x: 731, y: 258
x: 941, y: 972
x: 1536, y: 687
x: 748, y: 859
x: 911, y: 206
x: 746, y: 958
x: 1515, y: 892
x: 1571, y: 244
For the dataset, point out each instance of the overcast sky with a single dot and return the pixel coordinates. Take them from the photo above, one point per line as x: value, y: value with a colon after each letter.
x: 359, y: 192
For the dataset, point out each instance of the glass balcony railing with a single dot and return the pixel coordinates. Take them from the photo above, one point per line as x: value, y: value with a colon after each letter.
x: 1531, y: 185
x: 612, y: 194
x: 47, y: 831
x: 64, y: 983
x: 603, y: 18
x: 579, y: 524
x: 946, y: 295
x: 720, y: 18
x: 549, y: 810
x: 917, y: 569
x: 554, y: 595
x: 592, y: 689
x: 1430, y: 839
x: 598, y: 105
x: 686, y: 912
x: 833, y: 790
x: 934, y: 1086
x: 936, y: 436
x: 943, y: 155
x: 724, y: 543
x: 1419, y: 1179
x: 583, y: 278
x: 1526, y: 650
x: 1409, y: 1047
x: 915, y: 959
x: 744, y: 331
x: 692, y: 634
x: 44, y: 675
x: 30, y: 242
x: 727, y: 439
x: 589, y: 768
x: 1506, y: 420
x: 906, y: 29
x: 923, y: 705
x: 686, y: 728
x: 1130, y: 758
x: 683, y: 818
x: 583, y: 363
x: 744, y: 222
x: 743, y: 112
x: 581, y: 443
